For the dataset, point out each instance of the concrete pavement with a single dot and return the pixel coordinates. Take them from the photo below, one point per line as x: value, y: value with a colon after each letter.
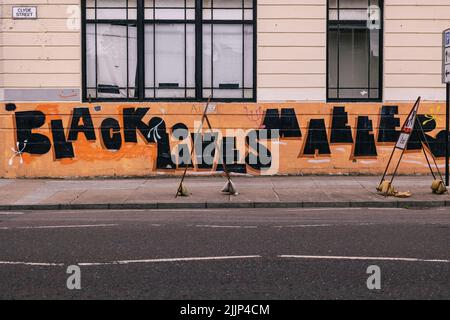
x: 254, y: 192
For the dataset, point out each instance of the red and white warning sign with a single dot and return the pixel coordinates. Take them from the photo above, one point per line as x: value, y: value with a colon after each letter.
x: 408, y: 128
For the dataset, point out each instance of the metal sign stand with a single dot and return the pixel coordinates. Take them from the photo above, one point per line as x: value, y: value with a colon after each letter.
x: 423, y: 142
x: 180, y: 191
x: 396, y: 147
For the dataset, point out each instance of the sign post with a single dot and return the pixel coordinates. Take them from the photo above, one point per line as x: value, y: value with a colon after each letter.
x: 446, y: 80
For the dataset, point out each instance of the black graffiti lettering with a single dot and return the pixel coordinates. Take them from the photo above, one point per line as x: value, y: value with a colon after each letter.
x: 29, y: 142
x: 230, y: 152
x: 63, y: 148
x: 205, y: 150
x: 340, y: 130
x: 437, y: 145
x: 258, y: 157
x: 365, y: 140
x: 111, y: 136
x: 184, y: 156
x: 181, y: 133
x: 158, y: 134
x: 230, y: 156
x: 87, y: 128
x: 388, y: 124
x: 10, y: 107
x: 255, y: 155
x: 132, y: 121
x: 416, y: 139
x: 210, y: 145
x: 317, y: 140
x: 287, y: 123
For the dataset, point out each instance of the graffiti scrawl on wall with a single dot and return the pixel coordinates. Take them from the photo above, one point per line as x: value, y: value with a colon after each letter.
x: 136, y: 139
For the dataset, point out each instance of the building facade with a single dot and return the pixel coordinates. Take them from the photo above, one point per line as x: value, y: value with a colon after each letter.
x: 118, y: 87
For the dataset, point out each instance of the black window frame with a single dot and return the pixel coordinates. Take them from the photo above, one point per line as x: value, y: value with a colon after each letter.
x: 140, y: 85
x: 381, y: 58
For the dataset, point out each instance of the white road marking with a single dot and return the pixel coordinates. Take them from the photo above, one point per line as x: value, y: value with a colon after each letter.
x: 381, y: 209
x: 185, y: 210
x: 62, y: 227
x: 227, y: 227
x: 362, y: 258
x: 305, y: 257
x: 41, y: 264
x: 307, y: 226
x: 341, y: 209
x: 326, y: 225
x: 11, y: 213
x: 167, y: 260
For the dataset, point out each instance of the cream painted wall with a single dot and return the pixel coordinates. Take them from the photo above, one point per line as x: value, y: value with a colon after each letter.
x: 292, y: 50
x: 413, y: 49
x: 1, y: 52
x: 44, y: 54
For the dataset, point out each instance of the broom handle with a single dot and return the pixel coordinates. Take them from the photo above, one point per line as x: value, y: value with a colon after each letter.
x: 398, y: 165
x: 193, y: 147
x: 424, y: 151
x: 387, y: 167
x: 429, y: 164
x: 225, y: 168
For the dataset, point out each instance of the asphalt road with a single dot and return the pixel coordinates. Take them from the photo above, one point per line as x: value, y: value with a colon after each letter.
x: 226, y: 254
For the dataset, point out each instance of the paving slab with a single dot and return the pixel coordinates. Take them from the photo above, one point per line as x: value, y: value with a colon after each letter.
x: 63, y: 197
x: 205, y: 192
x: 103, y: 196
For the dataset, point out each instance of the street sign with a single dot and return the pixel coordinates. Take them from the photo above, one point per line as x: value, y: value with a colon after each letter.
x: 24, y: 12
x: 447, y: 73
x: 446, y: 56
x: 408, y: 128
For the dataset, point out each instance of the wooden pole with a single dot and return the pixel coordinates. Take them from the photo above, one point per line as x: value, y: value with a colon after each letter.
x: 180, y: 187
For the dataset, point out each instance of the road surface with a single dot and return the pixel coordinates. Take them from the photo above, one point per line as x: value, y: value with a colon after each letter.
x: 226, y: 254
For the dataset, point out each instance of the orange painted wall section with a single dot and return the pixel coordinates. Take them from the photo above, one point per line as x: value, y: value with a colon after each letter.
x: 359, y: 137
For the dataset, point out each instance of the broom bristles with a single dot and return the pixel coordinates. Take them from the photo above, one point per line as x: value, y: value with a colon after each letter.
x: 230, y: 188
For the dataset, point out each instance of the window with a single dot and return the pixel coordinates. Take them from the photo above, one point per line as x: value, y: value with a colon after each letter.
x: 355, y: 37
x: 181, y: 50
